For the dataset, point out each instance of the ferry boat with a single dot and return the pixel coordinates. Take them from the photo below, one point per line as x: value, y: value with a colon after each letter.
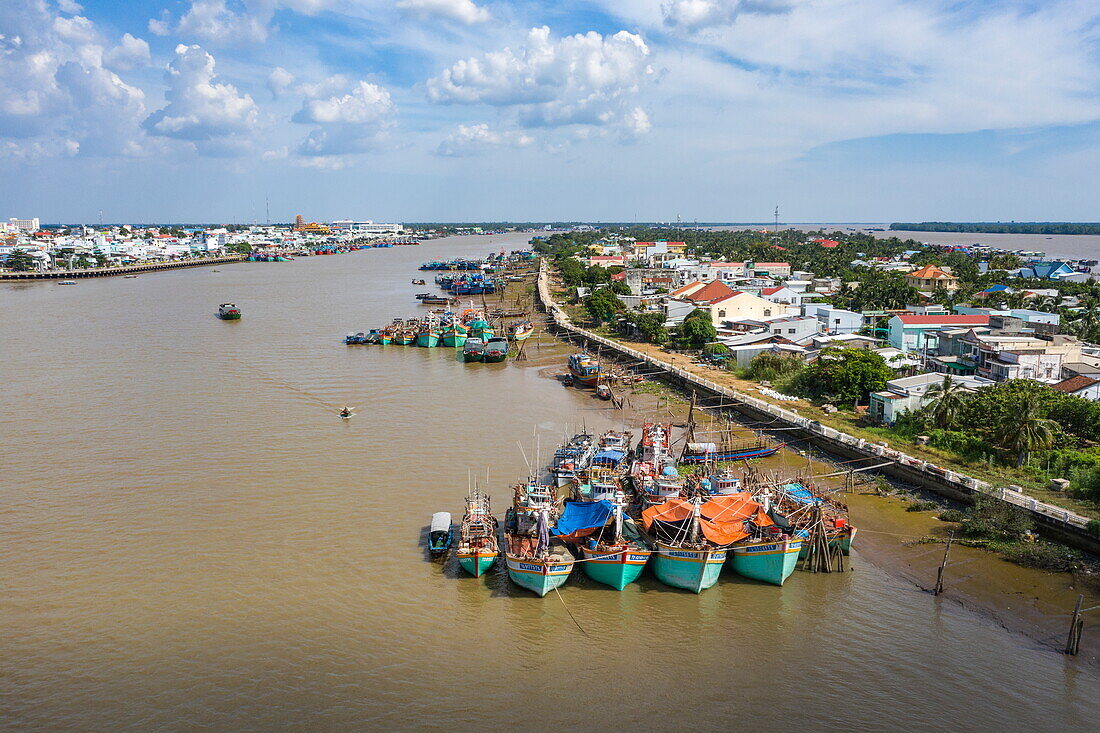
x: 477, y: 537
x: 496, y: 350
x: 584, y: 369
x: 229, y: 312
x: 535, y: 560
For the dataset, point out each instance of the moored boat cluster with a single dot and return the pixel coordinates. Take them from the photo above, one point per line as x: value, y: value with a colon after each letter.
x: 469, y: 330
x: 615, y: 506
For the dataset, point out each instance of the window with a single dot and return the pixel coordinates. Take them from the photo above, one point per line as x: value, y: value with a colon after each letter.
x: 721, y: 314
x: 767, y: 311
x: 790, y: 330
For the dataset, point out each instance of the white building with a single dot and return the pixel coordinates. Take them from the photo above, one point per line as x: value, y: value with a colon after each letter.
x: 910, y: 393
x: 367, y: 227
x: 24, y: 225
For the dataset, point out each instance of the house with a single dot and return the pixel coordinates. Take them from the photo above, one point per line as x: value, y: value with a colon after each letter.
x: 834, y: 320
x: 799, y: 329
x: 1005, y: 350
x: 910, y: 394
x: 1080, y: 386
x: 913, y: 332
x: 1045, y: 271
x: 739, y: 305
x: 647, y: 280
x: 607, y: 261
x: 744, y: 347
x: 846, y: 341
x: 931, y: 277
x: 782, y: 294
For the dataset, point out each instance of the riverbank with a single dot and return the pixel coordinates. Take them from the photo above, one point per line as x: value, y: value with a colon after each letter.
x: 113, y: 271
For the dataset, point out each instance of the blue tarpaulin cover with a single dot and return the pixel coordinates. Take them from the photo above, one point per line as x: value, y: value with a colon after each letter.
x: 801, y: 494
x: 580, y: 515
x: 609, y: 456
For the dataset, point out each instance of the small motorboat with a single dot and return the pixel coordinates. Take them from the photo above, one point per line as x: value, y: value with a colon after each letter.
x: 439, y: 536
x: 496, y: 350
x: 67, y: 282
x: 473, y: 350
x: 229, y: 312
x: 129, y: 277
x: 418, y: 282
x: 603, y: 391
x: 346, y: 413
x: 356, y: 338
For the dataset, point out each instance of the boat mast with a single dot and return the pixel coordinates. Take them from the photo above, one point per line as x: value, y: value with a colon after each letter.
x: 695, y: 521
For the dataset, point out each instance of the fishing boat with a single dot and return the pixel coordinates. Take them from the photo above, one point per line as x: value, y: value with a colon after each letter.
x: 572, y: 458
x: 535, y: 560
x: 67, y: 282
x: 521, y: 331
x: 473, y: 349
x: 653, y: 474
x: 496, y: 350
x: 405, y: 333
x: 454, y: 334
x: 353, y: 339
x: 477, y: 537
x: 713, y: 452
x: 429, y: 333
x: 584, y: 369
x: 439, y: 535
x: 229, y: 312
x: 603, y: 391
x: 798, y: 507
x: 767, y: 559
x: 693, y: 538
x: 614, y: 550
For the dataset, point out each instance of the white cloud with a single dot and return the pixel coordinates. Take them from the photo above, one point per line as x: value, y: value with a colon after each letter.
x: 201, y: 109
x: 69, y: 6
x: 160, y: 27
x: 696, y: 14
x: 463, y: 11
x: 212, y: 20
x: 356, y: 121
x: 474, y: 139
x: 129, y: 52
x: 56, y: 95
x: 584, y: 79
x: 278, y: 81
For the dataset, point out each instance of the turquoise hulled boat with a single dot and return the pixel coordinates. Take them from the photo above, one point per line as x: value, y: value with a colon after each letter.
x: 473, y: 349
x: 477, y: 537
x: 615, y: 551
x: 535, y: 560
x: 693, y: 570
x: 454, y: 335
x: 496, y: 350
x: 766, y: 561
x: 584, y: 369
x: 428, y: 338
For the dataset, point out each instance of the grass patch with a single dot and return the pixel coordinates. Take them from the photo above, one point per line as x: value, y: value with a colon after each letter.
x: 922, y: 506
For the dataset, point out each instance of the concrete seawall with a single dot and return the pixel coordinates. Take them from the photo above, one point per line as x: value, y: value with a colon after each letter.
x: 1054, y: 522
x: 112, y: 271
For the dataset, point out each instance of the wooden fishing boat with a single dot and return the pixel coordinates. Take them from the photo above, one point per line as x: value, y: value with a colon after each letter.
x: 521, y: 331
x: 584, y: 369
x: 477, y: 548
x: 439, y: 534
x: 496, y: 350
x: 535, y: 560
x: 229, y: 312
x: 714, y: 452
x: 473, y: 349
x: 572, y: 459
x: 455, y: 334
x: 615, y: 551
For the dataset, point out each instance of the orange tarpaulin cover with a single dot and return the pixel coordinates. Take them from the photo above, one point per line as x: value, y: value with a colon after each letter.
x: 723, y: 517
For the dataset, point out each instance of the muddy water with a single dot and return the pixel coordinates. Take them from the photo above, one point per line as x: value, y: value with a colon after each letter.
x: 190, y: 538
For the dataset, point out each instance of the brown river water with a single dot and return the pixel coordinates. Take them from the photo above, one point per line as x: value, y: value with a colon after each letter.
x: 191, y: 539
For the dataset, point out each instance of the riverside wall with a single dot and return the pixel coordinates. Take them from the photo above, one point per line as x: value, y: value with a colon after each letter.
x: 111, y: 271
x: 1053, y: 522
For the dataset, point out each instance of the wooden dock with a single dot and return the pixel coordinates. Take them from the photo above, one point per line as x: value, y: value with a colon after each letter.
x: 113, y: 271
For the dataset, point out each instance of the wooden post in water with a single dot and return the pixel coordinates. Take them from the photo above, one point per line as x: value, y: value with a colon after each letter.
x: 943, y: 565
x: 1076, y: 626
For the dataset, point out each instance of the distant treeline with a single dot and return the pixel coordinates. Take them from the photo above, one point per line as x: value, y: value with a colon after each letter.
x: 986, y: 227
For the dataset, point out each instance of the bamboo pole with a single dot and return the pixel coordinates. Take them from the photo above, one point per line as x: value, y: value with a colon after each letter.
x: 1076, y: 626
x: 943, y: 565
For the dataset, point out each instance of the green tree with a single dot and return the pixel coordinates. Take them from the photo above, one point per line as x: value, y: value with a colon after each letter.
x: 19, y: 261
x: 945, y: 401
x: 602, y: 305
x: 844, y: 375
x: 697, y: 330
x: 1027, y: 431
x: 651, y: 325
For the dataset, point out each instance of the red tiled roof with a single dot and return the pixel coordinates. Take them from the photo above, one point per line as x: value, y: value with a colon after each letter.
x: 771, y: 291
x: 685, y: 288
x: 827, y: 242
x: 931, y: 272
x: 946, y: 320
x: 1074, y: 384
x: 710, y: 292
x: 619, y: 276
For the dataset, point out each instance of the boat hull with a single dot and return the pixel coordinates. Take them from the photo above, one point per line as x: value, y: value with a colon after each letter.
x: 494, y: 358
x: 588, y: 380
x: 478, y: 562
x: 471, y: 356
x: 454, y: 339
x: 385, y: 340
x: 693, y: 570
x: 403, y: 340
x: 617, y: 569
x: 768, y: 562
x: 428, y: 340
x: 538, y: 576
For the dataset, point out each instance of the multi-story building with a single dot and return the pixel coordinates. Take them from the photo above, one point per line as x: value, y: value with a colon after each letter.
x: 911, y: 393
x: 24, y: 225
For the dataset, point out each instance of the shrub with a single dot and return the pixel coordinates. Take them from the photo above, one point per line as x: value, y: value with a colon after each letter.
x: 922, y: 506
x: 771, y: 366
x: 1043, y: 555
x: 952, y: 515
x: 957, y: 441
x: 995, y: 519
x: 1093, y: 527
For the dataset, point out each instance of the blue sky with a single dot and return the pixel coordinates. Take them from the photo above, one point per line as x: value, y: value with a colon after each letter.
x: 837, y: 110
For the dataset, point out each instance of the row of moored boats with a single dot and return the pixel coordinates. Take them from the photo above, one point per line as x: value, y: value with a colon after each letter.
x: 615, y: 507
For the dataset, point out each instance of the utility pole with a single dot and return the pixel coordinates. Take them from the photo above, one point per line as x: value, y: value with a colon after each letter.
x: 267, y: 205
x: 777, y: 220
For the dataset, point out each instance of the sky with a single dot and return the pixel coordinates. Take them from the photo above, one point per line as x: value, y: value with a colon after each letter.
x: 549, y: 110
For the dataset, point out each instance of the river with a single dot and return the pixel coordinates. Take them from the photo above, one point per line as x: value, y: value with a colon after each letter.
x: 190, y: 538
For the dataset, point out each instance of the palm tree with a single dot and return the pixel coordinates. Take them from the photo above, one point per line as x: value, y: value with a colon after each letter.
x: 1026, y: 431
x: 946, y: 399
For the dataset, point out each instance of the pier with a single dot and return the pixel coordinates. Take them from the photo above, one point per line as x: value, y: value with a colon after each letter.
x: 112, y: 271
x: 1053, y: 521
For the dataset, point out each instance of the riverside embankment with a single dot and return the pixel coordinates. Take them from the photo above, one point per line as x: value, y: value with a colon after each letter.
x: 1054, y: 522
x: 112, y: 271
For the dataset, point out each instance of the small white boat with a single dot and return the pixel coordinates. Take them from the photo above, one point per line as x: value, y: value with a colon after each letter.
x: 129, y: 277
x: 67, y: 282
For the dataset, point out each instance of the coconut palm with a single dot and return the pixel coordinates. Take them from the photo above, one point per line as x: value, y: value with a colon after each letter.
x: 945, y: 400
x: 1026, y: 430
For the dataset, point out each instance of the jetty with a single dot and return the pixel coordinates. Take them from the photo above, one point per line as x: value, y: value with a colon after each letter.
x: 123, y: 270
x: 1054, y: 521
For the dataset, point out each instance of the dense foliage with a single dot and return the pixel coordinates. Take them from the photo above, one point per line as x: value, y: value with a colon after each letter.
x: 845, y: 376
x: 19, y: 261
x: 1043, y: 227
x: 697, y: 330
x: 650, y: 325
x: 603, y: 305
